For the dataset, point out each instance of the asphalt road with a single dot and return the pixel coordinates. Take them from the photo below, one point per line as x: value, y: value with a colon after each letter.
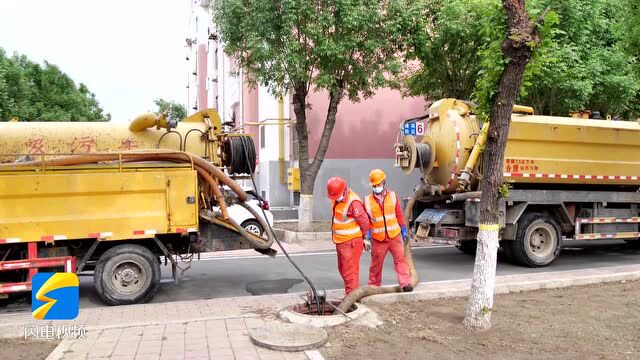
x: 257, y: 275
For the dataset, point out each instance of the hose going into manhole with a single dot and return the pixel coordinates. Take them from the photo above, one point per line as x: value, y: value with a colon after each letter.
x: 365, y: 291
x: 316, y: 297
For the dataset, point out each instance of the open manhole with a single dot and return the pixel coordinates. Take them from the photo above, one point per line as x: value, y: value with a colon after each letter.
x: 308, y: 315
x: 327, y: 308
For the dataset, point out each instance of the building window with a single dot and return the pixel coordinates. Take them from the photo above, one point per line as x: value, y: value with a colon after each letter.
x: 233, y: 65
x: 262, y: 136
x: 235, y: 108
x: 215, y: 61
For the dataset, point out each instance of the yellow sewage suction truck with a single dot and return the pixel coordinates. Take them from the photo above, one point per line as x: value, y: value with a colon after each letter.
x: 564, y: 178
x: 113, y: 199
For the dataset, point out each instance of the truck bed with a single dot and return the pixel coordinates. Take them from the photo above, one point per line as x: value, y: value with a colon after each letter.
x: 111, y: 202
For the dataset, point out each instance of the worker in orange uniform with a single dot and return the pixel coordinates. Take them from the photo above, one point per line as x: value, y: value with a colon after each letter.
x: 349, y: 223
x: 388, y: 231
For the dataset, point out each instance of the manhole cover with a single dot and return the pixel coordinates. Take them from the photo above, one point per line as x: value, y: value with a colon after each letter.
x: 288, y: 337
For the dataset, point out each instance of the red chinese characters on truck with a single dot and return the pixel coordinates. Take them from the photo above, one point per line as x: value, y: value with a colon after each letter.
x: 520, y: 166
x: 35, y: 146
x: 84, y: 144
x: 128, y: 144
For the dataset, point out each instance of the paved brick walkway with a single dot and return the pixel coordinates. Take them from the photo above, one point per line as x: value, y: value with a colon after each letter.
x: 203, y: 329
x: 225, y: 339
x: 218, y: 328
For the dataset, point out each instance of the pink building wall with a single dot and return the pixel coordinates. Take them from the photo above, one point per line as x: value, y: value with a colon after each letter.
x: 202, y: 76
x: 364, y: 130
x: 250, y: 112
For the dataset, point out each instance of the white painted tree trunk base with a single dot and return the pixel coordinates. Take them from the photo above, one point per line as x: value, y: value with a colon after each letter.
x: 480, y: 305
x: 305, y: 213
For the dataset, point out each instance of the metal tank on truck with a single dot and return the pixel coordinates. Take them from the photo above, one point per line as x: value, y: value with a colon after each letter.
x: 113, y: 199
x: 200, y: 134
x: 564, y: 178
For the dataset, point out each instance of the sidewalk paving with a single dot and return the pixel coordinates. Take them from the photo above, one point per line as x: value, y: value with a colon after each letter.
x: 218, y: 328
x: 210, y: 339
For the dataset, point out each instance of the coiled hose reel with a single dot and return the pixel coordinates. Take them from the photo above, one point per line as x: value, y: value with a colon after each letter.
x: 240, y: 155
x: 411, y: 155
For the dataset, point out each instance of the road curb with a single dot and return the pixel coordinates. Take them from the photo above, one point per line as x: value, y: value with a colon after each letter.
x: 512, y: 284
x: 60, y: 350
x: 302, y: 237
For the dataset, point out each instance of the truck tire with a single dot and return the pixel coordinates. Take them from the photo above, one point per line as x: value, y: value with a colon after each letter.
x: 127, y: 274
x: 468, y: 246
x: 538, y: 240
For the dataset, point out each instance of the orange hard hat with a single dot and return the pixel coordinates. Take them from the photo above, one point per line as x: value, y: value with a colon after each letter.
x: 335, y: 187
x: 376, y: 176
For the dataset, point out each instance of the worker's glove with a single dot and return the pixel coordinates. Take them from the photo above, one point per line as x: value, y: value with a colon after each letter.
x: 405, y: 235
x: 367, y: 241
x: 367, y: 245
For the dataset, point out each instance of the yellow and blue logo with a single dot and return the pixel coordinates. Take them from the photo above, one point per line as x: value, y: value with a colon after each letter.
x: 55, y: 296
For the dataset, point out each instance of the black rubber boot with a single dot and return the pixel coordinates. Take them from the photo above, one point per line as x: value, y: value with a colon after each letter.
x: 407, y: 288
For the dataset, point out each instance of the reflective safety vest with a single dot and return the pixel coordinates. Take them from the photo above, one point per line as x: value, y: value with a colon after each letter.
x: 344, y: 228
x: 383, y: 222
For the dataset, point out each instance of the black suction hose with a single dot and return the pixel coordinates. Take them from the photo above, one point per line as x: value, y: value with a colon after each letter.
x: 313, y: 288
x: 424, y: 155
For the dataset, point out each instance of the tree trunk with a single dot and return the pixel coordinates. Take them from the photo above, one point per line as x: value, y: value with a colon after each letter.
x: 309, y: 170
x: 306, y: 189
x: 516, y: 47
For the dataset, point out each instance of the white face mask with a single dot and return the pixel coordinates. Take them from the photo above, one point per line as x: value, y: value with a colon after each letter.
x: 340, y: 198
x: 378, y: 189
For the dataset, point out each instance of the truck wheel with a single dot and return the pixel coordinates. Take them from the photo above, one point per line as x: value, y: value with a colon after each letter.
x: 468, y: 246
x: 538, y: 240
x: 127, y: 274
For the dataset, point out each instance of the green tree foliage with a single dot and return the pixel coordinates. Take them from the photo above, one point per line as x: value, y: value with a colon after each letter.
x: 347, y: 47
x: 629, y: 27
x: 629, y: 31
x: 345, y: 44
x: 172, y: 108
x: 580, y: 64
x: 34, y: 92
x: 449, y: 48
x: 493, y: 59
x: 586, y: 67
